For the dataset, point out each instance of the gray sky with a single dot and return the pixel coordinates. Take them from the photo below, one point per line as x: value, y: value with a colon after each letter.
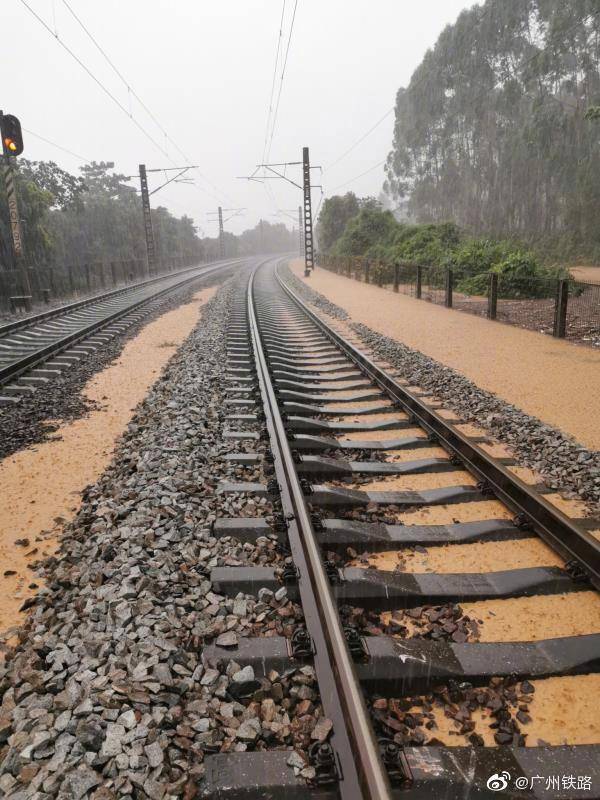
x: 204, y: 69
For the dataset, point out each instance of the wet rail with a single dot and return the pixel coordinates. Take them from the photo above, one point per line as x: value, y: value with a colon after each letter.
x: 29, y: 347
x: 335, y: 423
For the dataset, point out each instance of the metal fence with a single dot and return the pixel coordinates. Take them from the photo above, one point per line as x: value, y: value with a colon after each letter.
x: 582, y: 319
x: 563, y: 308
x: 53, y: 285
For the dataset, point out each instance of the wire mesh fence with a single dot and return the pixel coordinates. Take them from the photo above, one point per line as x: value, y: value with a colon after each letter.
x: 583, y: 312
x: 527, y: 302
x: 472, y: 303
x: 563, y: 308
x: 433, y: 285
x: 406, y: 280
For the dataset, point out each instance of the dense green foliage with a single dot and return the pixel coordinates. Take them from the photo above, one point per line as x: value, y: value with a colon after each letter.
x: 334, y: 215
x: 498, y: 129
x: 370, y: 232
x: 97, y: 216
x: 519, y: 275
x: 336, y: 212
x: 73, y: 220
x: 376, y: 235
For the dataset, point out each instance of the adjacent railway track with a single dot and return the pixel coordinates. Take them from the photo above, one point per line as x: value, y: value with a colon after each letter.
x: 334, y: 423
x: 35, y: 349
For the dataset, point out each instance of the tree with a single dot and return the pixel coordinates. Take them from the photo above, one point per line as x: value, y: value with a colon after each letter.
x: 492, y: 130
x: 95, y: 218
x: 334, y: 216
x: 87, y: 219
x: 35, y: 202
x: 369, y: 228
x: 66, y: 189
x: 267, y: 237
x: 99, y: 180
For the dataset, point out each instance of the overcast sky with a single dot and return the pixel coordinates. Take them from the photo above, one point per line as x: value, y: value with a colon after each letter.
x: 205, y: 69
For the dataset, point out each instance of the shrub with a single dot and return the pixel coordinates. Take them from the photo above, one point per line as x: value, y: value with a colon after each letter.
x: 519, y: 275
x: 478, y: 255
x: 371, y: 227
x: 378, y: 236
x: 425, y: 244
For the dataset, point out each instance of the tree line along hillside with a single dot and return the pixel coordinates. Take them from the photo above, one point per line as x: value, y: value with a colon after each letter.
x: 499, y: 129
x: 349, y: 227
x: 97, y: 216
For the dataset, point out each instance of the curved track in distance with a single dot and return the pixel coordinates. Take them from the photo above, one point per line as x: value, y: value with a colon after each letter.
x: 28, y: 343
x: 335, y: 421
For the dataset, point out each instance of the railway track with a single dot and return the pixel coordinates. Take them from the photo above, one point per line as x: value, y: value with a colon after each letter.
x: 36, y: 349
x: 342, y: 436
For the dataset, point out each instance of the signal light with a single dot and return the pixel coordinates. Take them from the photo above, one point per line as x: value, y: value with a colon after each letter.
x: 12, y: 138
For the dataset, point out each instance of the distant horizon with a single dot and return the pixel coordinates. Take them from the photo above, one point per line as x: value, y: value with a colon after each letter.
x: 199, y: 71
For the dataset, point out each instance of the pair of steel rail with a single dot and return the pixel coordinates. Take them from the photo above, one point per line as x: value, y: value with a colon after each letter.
x: 353, y: 750
x: 29, y: 342
x: 353, y: 740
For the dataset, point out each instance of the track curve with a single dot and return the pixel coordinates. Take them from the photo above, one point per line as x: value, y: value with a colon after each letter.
x: 313, y: 390
x: 28, y: 343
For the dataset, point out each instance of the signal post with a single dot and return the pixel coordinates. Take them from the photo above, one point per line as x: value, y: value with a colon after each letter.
x: 12, y: 146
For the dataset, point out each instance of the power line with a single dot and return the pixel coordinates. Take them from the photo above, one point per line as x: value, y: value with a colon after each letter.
x: 263, y: 159
x: 266, y: 185
x: 412, y: 88
x: 132, y: 92
x: 108, y: 60
x: 362, y: 138
x: 109, y: 93
x: 92, y: 76
x: 287, y: 50
x: 368, y: 133
x: 316, y: 216
x: 376, y: 125
x: 87, y: 160
x: 120, y: 75
x: 58, y: 146
x: 356, y: 177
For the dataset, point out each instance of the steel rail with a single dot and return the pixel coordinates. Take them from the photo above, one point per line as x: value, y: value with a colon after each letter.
x: 19, y: 367
x: 362, y: 773
x: 34, y: 319
x: 560, y: 532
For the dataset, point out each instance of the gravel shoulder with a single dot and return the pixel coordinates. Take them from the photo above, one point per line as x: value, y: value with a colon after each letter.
x: 106, y: 694
x: 550, y: 379
x: 564, y: 464
x: 37, y: 417
x: 42, y: 484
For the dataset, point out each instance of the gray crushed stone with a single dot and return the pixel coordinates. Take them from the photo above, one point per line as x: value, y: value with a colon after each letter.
x: 564, y: 464
x: 107, y: 695
x: 34, y: 418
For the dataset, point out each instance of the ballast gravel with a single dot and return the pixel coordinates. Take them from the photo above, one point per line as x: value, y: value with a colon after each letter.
x: 106, y: 694
x: 36, y: 417
x: 563, y: 463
